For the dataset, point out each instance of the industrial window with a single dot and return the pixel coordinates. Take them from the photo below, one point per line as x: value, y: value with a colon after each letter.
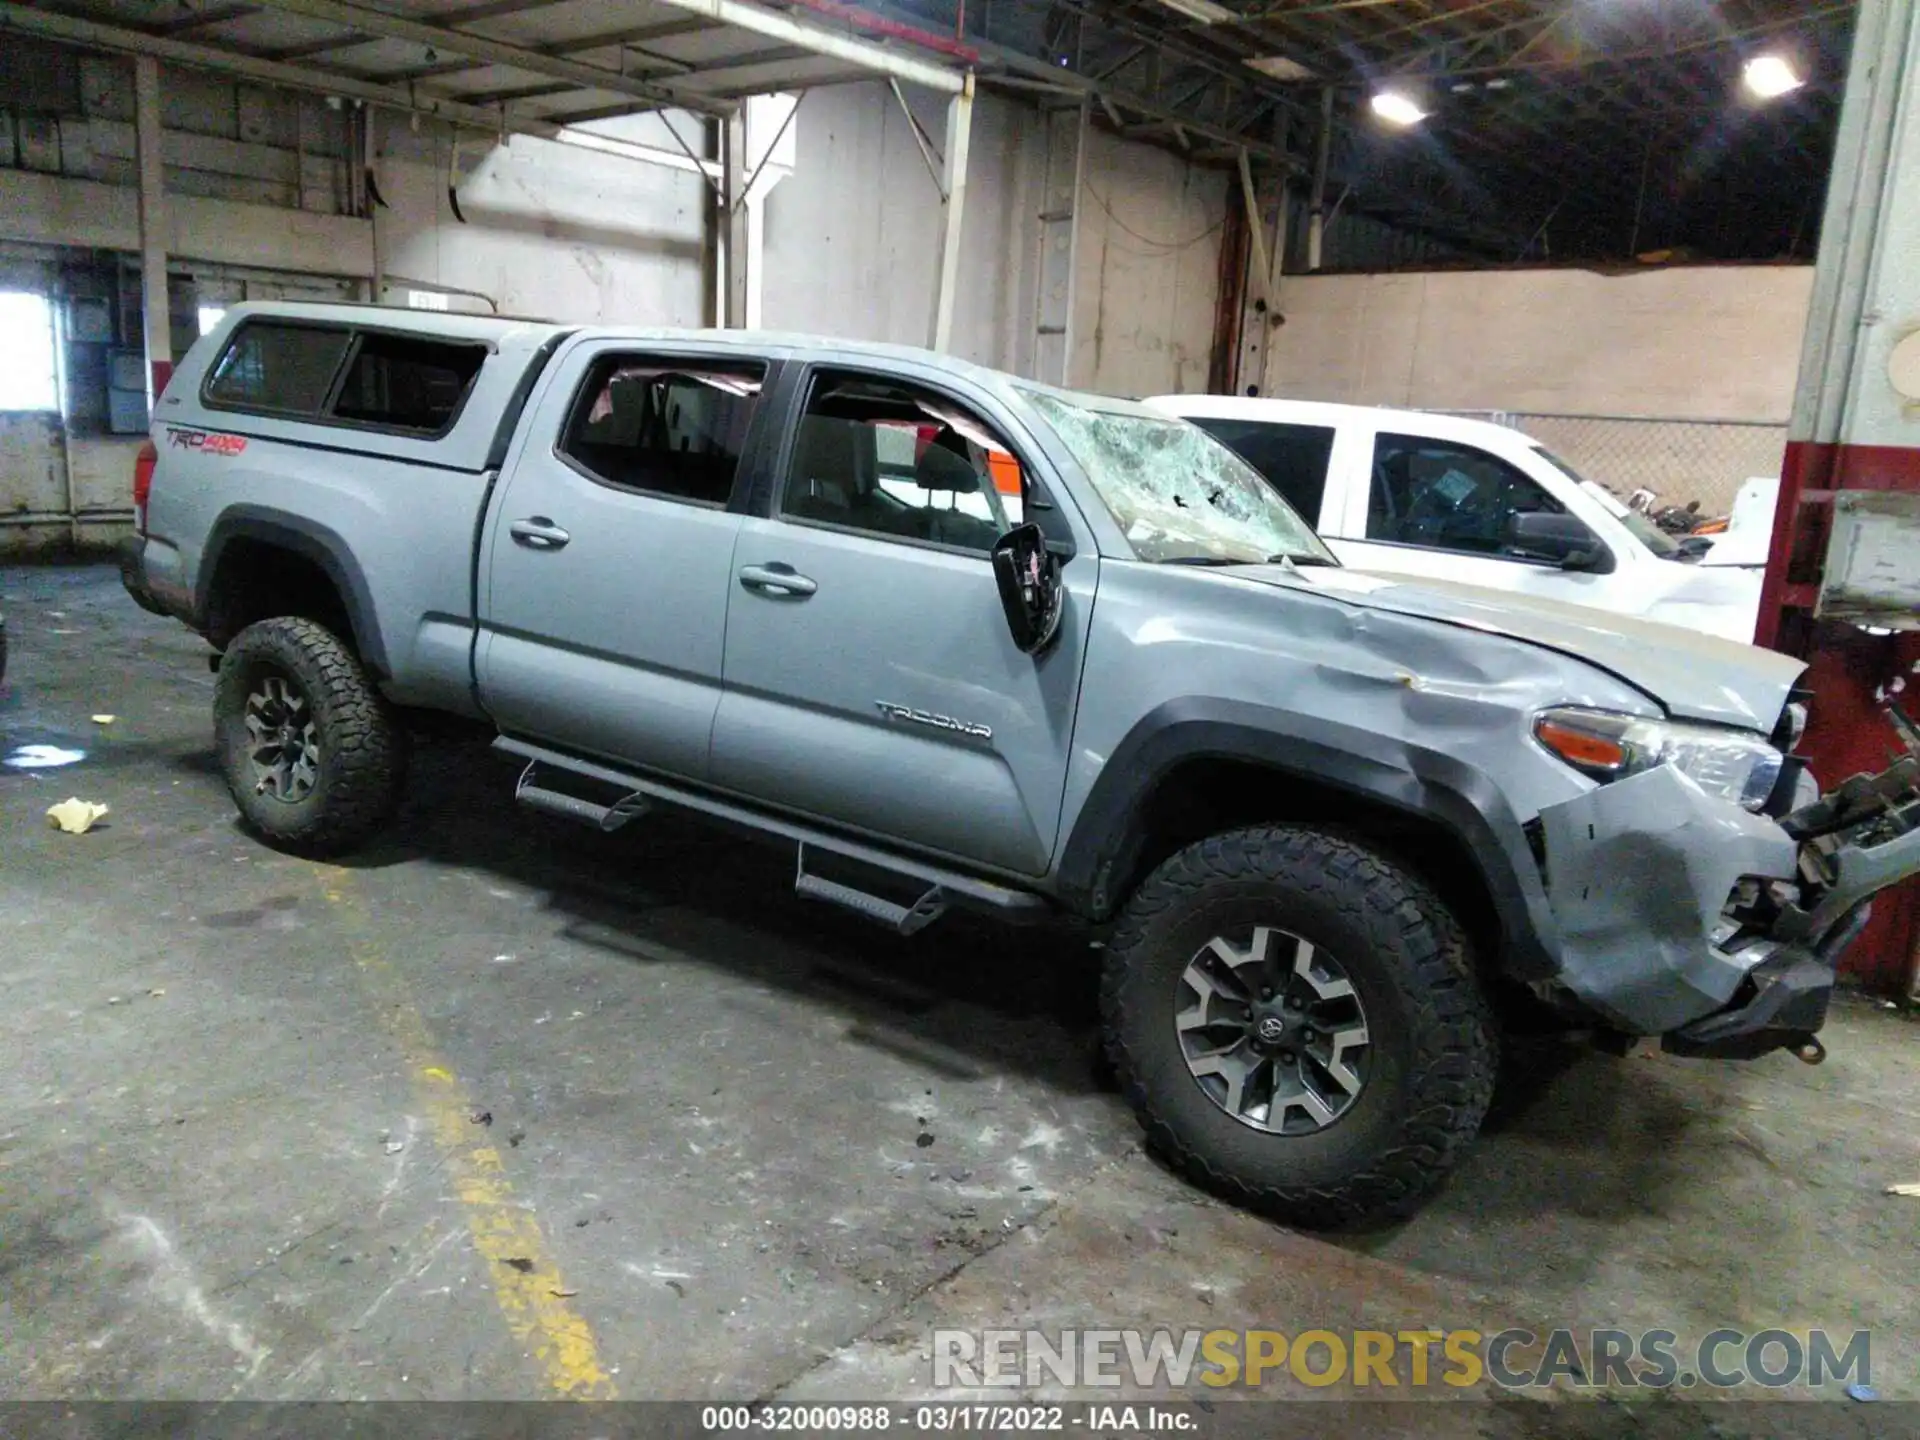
x: 1291, y: 458
x: 901, y: 462
x: 407, y: 384
x: 666, y: 427
x: 26, y: 359
x: 279, y: 367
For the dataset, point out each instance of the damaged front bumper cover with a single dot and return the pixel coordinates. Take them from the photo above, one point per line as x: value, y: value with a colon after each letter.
x: 1640, y: 872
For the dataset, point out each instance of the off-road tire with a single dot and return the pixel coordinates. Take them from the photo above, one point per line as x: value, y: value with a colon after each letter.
x: 1434, y: 1055
x: 362, y: 766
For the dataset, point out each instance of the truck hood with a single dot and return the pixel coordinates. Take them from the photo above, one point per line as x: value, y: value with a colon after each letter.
x: 1694, y: 676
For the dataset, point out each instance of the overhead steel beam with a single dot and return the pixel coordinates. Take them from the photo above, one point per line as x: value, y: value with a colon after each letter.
x: 629, y: 38
x: 201, y: 19
x: 727, y: 70
x: 22, y: 19
x: 785, y: 28
x: 458, y: 15
x: 546, y: 90
x: 478, y: 47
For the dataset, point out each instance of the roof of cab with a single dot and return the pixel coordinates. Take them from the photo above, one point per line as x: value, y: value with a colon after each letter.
x: 501, y: 329
x: 452, y: 324
x: 1326, y: 412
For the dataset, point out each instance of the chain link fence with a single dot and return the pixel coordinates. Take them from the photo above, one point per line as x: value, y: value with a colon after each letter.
x: 1679, y: 460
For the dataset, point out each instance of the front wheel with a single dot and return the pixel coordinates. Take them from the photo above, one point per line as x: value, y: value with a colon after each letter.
x: 308, y: 747
x: 1296, y: 1023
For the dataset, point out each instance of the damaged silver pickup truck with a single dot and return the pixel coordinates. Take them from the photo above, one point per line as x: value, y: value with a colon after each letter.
x: 959, y: 639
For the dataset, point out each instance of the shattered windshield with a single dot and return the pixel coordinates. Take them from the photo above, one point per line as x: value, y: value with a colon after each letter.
x: 1180, y: 496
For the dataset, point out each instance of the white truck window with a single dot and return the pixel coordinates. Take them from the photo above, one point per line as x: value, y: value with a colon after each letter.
x: 1444, y: 495
x: 1291, y: 458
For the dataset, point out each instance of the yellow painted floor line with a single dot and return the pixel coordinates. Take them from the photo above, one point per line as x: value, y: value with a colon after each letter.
x: 526, y: 1279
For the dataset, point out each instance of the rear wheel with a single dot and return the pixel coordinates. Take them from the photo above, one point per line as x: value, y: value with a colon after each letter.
x: 308, y: 747
x: 1295, y: 1020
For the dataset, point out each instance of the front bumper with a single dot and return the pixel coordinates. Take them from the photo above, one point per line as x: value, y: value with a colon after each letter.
x: 1642, y: 877
x: 1638, y: 873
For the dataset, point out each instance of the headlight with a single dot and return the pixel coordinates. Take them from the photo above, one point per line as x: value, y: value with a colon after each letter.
x: 1733, y: 764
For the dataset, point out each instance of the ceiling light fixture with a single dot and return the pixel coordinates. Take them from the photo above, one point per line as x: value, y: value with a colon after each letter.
x: 1396, y: 109
x: 1280, y: 67
x: 1770, y: 76
x: 1205, y: 11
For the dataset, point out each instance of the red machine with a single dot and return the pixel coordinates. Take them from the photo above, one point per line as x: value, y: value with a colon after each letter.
x: 1843, y: 577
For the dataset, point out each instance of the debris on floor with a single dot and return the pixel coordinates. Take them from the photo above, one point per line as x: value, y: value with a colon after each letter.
x: 76, y: 816
x: 103, y: 719
x: 1911, y: 1190
x: 520, y: 1263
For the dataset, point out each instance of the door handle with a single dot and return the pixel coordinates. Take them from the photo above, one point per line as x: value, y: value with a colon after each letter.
x: 776, y: 581
x: 537, y: 532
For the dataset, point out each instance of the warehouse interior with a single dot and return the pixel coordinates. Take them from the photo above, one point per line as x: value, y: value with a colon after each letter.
x: 461, y: 1116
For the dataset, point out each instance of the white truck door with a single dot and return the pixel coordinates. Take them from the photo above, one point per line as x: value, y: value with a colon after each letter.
x: 1448, y: 510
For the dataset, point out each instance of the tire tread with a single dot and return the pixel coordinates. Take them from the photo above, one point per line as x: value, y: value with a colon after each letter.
x: 1450, y: 1082
x: 364, y: 747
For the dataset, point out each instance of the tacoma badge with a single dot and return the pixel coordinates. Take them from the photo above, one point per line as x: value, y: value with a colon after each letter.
x: 938, y: 722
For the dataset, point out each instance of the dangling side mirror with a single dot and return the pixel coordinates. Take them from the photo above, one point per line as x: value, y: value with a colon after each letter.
x: 1028, y: 575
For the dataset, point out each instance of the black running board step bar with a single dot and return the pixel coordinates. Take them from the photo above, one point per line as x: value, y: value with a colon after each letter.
x: 905, y: 919
x: 571, y: 807
x: 961, y: 889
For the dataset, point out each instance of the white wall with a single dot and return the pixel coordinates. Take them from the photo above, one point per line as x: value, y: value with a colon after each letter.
x: 86, y: 214
x: 852, y: 236
x: 550, y: 230
x: 1708, y: 343
x: 1149, y: 270
x: 261, y: 190
x: 852, y: 242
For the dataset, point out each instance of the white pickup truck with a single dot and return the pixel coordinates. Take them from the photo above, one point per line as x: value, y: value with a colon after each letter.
x: 1446, y: 498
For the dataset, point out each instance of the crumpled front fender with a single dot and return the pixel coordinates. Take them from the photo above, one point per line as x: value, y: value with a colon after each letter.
x: 1638, y: 872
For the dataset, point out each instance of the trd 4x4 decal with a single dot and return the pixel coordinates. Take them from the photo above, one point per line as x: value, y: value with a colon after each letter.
x: 208, y: 443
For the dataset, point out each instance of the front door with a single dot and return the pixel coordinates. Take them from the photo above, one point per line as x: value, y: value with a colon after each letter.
x: 607, y: 564
x: 871, y: 680
x: 1451, y: 511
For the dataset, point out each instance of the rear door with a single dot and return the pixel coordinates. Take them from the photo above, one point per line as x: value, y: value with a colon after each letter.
x: 870, y: 678
x: 606, y: 566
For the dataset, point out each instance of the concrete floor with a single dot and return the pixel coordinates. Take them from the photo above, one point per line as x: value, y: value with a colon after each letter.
x: 739, y: 1145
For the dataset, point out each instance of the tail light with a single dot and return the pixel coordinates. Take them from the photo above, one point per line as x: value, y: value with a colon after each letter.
x: 143, y: 464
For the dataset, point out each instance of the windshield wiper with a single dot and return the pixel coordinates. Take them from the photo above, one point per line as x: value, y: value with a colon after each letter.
x: 1300, y: 557
x: 1208, y: 560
